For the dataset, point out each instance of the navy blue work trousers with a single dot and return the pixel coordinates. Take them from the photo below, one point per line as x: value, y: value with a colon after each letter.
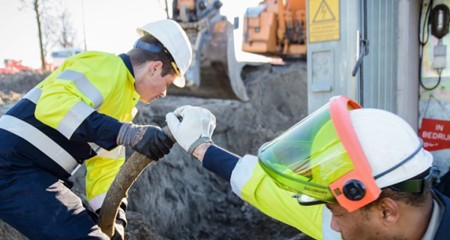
x: 40, y: 206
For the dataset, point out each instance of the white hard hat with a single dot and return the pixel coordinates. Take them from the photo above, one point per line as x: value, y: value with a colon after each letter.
x: 175, y: 40
x: 387, y: 140
x: 344, y: 153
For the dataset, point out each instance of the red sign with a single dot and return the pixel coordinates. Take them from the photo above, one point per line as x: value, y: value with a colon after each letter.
x: 435, y: 134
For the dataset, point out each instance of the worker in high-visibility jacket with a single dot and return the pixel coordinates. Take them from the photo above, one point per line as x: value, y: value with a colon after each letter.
x: 82, y: 113
x: 343, y: 172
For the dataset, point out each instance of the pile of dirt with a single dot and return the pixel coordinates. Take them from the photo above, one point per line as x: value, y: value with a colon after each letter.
x: 177, y: 198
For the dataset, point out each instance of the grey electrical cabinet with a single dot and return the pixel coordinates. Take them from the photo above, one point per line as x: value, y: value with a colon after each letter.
x: 388, y: 77
x: 330, y: 60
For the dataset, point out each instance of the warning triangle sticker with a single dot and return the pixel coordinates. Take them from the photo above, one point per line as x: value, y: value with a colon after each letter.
x: 323, y: 13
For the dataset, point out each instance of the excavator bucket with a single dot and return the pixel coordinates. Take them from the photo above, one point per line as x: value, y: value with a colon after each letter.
x: 214, y: 72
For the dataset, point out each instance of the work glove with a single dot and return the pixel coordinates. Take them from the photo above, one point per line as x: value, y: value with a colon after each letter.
x: 191, y: 126
x: 148, y: 140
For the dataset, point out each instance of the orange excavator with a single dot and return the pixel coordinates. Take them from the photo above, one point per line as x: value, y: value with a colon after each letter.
x: 276, y: 28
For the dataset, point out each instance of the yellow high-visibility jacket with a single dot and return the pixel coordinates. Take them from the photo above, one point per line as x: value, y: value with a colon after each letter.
x: 73, y: 116
x: 251, y: 183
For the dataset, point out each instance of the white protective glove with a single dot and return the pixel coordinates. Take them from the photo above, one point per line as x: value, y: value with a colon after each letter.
x: 191, y: 126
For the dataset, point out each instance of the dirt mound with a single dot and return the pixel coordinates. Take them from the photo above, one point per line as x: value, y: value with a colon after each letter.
x: 178, y: 199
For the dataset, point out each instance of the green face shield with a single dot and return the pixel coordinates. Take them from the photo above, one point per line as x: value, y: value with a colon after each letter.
x: 312, y: 157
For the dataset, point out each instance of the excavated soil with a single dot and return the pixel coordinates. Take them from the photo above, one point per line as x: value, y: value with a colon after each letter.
x: 178, y: 199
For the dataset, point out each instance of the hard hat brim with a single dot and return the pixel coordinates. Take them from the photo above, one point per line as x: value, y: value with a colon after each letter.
x: 180, y: 81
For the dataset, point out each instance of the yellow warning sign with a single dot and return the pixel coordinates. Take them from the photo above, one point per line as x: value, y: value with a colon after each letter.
x: 323, y: 19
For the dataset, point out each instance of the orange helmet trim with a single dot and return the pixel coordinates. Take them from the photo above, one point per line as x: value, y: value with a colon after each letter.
x: 356, y: 188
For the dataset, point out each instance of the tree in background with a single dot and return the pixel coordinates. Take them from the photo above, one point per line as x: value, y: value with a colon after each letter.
x: 166, y: 8
x: 63, y: 31
x: 53, y: 24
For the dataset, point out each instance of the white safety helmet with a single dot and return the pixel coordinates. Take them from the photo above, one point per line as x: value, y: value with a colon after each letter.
x: 175, y: 40
x: 386, y: 140
x: 344, y: 153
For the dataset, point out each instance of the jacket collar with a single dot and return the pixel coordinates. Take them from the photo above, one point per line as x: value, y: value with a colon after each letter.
x: 127, y: 61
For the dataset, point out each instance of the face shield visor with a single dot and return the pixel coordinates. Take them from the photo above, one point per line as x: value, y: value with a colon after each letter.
x: 321, y: 159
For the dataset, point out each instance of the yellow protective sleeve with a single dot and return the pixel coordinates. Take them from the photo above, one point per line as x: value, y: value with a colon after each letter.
x: 105, y: 72
x: 262, y: 192
x: 57, y: 99
x: 100, y: 175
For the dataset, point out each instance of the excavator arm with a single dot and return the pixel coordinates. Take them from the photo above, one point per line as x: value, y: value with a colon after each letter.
x: 214, y: 72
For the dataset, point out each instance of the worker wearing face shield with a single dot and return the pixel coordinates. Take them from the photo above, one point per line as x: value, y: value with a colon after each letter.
x: 342, y: 172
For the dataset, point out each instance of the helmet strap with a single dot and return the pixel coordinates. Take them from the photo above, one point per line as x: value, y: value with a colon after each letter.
x: 417, y: 185
x: 419, y: 147
x: 149, y: 47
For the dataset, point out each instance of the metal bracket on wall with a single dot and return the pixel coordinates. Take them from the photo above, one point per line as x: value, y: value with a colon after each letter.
x: 364, y: 51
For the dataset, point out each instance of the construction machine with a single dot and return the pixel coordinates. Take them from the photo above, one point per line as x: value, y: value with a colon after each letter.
x: 14, y: 66
x: 214, y: 72
x: 276, y: 28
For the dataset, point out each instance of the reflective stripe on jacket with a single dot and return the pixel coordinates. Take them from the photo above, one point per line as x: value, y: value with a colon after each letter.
x: 252, y: 184
x: 74, y: 115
